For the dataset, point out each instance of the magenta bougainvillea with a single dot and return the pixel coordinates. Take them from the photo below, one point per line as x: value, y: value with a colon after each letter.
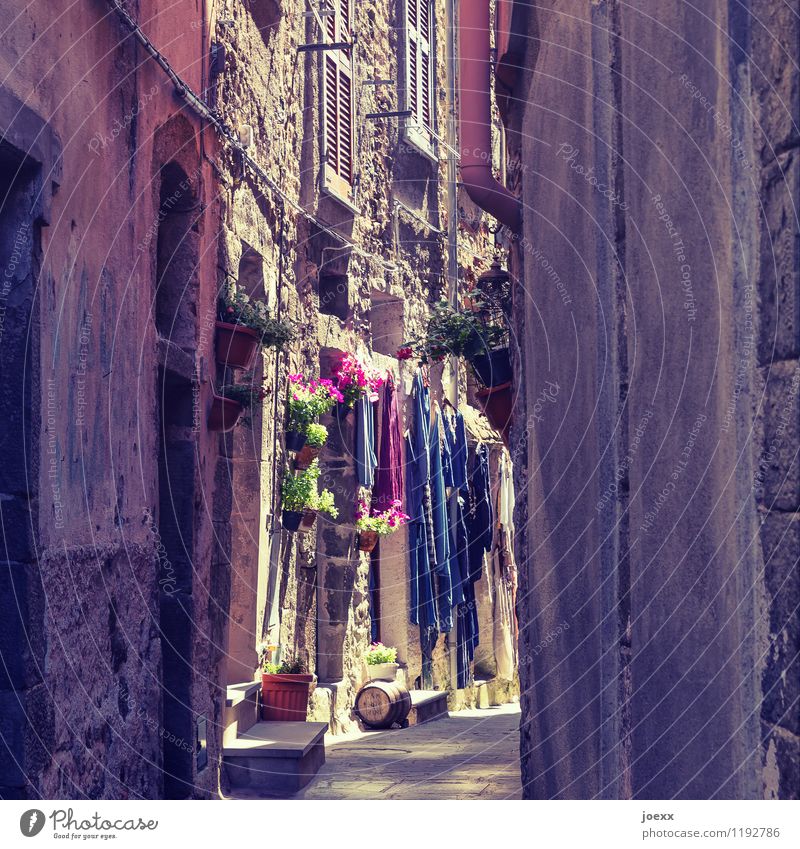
x: 383, y: 522
x: 354, y: 379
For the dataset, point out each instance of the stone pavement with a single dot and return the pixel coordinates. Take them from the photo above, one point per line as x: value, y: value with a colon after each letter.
x: 471, y: 754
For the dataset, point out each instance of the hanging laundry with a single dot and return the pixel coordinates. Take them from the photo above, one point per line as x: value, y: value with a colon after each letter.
x: 389, y: 474
x: 441, y: 529
x: 418, y: 506
x: 366, y: 461
x: 480, y: 518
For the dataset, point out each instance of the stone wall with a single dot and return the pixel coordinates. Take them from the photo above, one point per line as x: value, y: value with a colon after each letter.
x: 654, y: 148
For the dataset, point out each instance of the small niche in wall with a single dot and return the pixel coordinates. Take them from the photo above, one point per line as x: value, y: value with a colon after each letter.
x: 334, y: 297
x: 266, y: 15
x: 386, y: 320
x: 250, y: 278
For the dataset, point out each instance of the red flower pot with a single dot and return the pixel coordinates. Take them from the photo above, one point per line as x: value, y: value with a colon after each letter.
x: 224, y: 414
x: 498, y: 405
x: 284, y: 698
x: 309, y: 517
x: 305, y: 457
x: 236, y: 345
x: 367, y: 540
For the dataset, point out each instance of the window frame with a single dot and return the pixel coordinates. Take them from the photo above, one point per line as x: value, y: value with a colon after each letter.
x: 415, y: 132
x: 342, y: 64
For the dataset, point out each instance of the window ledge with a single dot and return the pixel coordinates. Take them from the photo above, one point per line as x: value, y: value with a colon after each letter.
x: 422, y: 143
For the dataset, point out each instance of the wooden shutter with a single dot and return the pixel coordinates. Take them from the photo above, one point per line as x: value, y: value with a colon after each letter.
x: 338, y: 103
x: 419, y: 77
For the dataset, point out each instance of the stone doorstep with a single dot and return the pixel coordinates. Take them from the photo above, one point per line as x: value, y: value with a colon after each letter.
x: 427, y: 705
x: 278, y: 758
x: 241, y: 709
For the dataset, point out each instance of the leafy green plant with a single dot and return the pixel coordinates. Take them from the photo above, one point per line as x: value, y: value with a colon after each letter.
x: 466, y: 333
x: 286, y: 667
x: 324, y: 503
x: 379, y: 653
x: 238, y: 308
x: 299, y: 491
x: 316, y: 435
x: 247, y: 394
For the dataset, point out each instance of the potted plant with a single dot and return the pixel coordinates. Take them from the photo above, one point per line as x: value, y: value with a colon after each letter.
x: 285, y: 688
x: 316, y: 437
x: 243, y: 325
x: 474, y: 333
x: 373, y: 524
x: 354, y: 379
x: 381, y: 662
x: 308, y: 400
x: 322, y: 503
x: 228, y: 406
x: 298, y: 493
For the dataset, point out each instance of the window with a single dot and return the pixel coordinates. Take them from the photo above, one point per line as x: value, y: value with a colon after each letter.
x: 419, y: 77
x: 337, y: 106
x: 334, y: 297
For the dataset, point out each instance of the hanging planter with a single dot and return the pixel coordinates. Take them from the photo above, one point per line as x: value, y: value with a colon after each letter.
x: 341, y: 411
x: 367, y: 540
x: 236, y: 345
x: 307, y: 522
x: 316, y: 437
x: 493, y: 368
x: 300, y: 500
x: 243, y: 327
x: 497, y: 402
x: 233, y: 399
x: 224, y: 414
x: 295, y: 440
x: 291, y: 519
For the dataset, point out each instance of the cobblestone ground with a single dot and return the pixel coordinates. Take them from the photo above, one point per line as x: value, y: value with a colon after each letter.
x: 471, y: 754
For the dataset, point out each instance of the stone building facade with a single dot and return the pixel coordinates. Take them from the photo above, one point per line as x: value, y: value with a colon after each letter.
x: 149, y: 158
x: 656, y: 308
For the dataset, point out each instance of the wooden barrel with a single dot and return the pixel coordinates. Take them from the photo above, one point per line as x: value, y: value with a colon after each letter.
x: 379, y: 704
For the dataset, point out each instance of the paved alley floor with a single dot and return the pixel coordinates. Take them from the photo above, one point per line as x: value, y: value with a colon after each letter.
x: 471, y: 754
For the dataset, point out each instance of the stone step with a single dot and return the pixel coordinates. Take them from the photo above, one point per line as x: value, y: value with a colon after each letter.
x: 427, y: 705
x: 274, y: 758
x: 241, y: 709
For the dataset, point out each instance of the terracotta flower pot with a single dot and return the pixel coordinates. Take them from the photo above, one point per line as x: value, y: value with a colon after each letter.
x: 290, y: 519
x: 284, y: 698
x: 305, y: 457
x: 295, y: 440
x: 236, y: 345
x: 494, y: 368
x: 307, y: 522
x: 224, y: 414
x: 498, y: 404
x: 367, y: 540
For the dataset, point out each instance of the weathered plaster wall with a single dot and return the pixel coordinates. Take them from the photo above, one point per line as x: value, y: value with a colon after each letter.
x: 656, y: 160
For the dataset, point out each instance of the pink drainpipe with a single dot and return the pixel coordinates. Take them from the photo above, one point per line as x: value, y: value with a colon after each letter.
x: 476, y: 117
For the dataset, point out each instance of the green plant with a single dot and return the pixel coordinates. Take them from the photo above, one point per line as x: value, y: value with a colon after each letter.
x: 324, y: 503
x: 316, y: 435
x: 247, y: 394
x: 238, y: 308
x: 379, y: 653
x: 300, y: 491
x: 286, y: 667
x: 466, y: 333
